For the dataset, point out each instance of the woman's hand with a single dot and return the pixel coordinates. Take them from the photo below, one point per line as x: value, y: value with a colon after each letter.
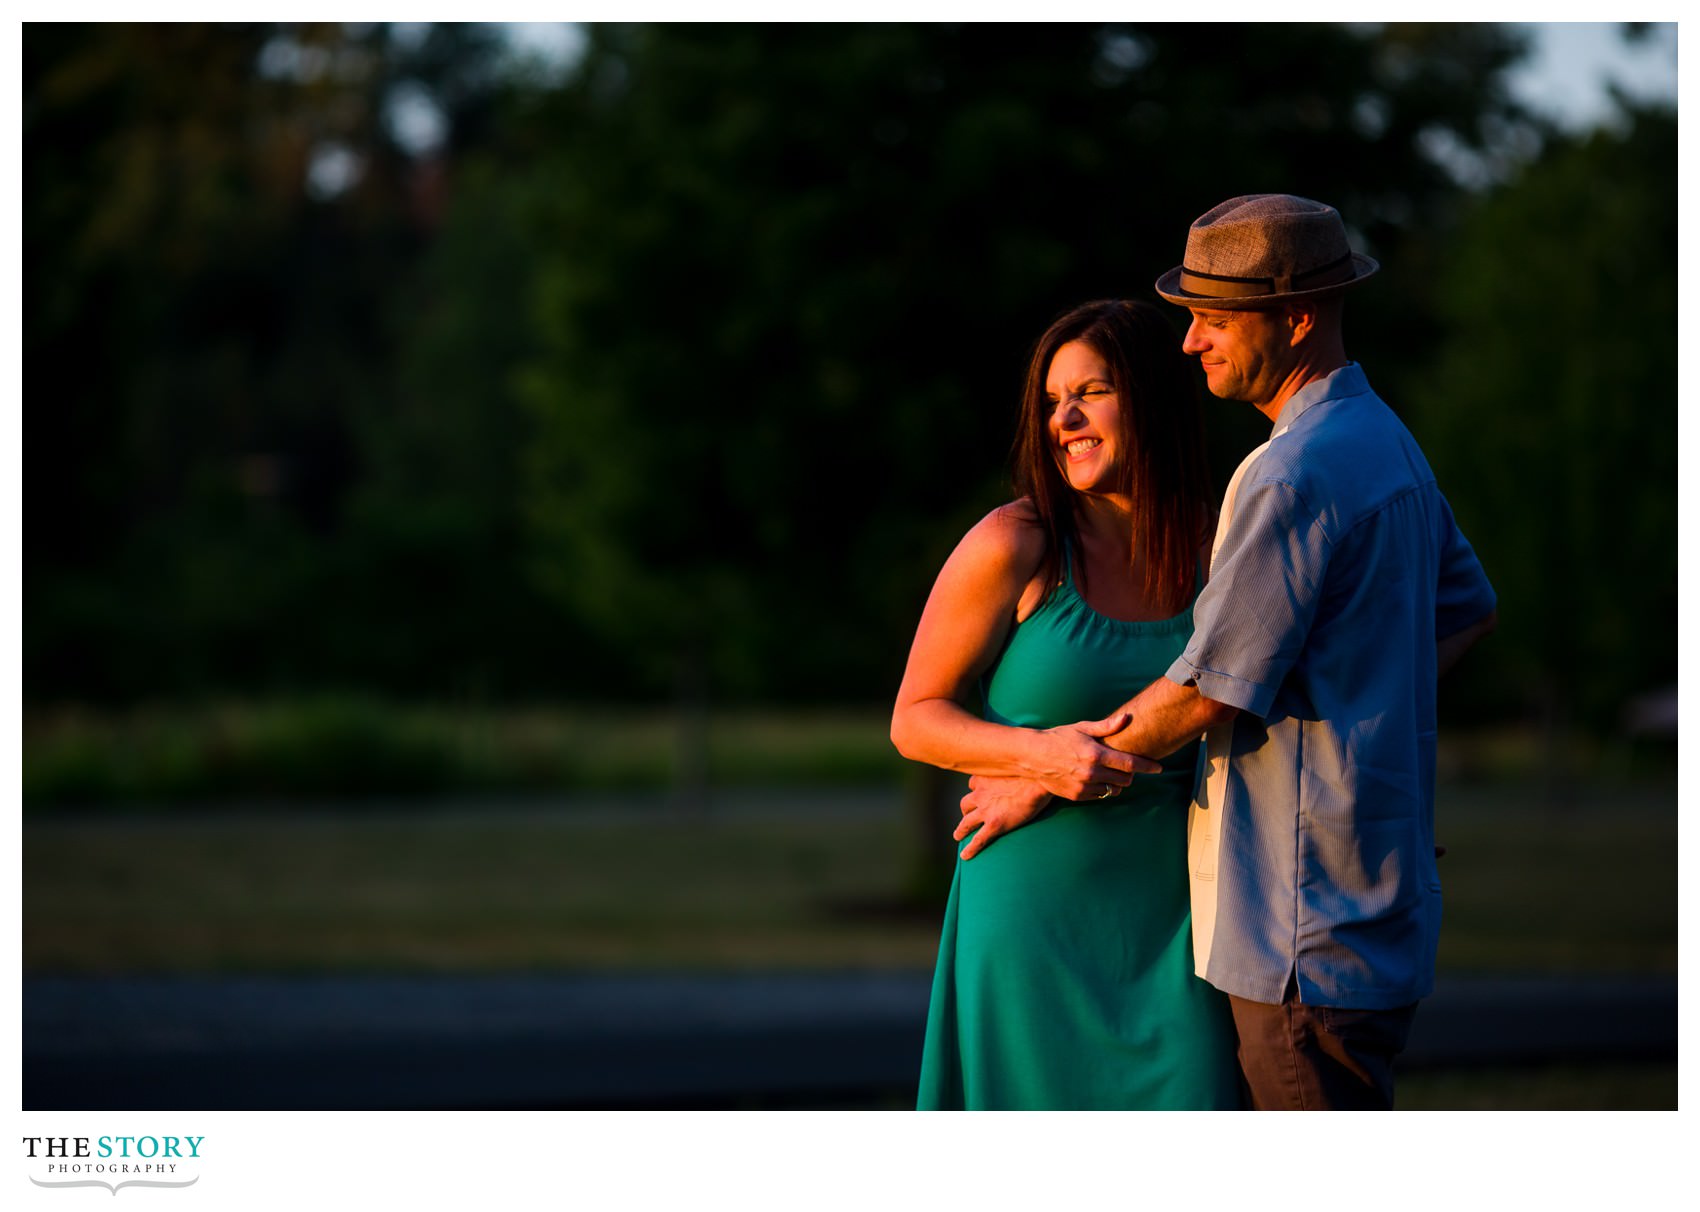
x: 994, y: 806
x: 974, y: 604
x: 1073, y: 763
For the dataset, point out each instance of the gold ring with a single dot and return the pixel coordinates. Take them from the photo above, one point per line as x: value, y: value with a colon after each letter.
x: 1107, y: 790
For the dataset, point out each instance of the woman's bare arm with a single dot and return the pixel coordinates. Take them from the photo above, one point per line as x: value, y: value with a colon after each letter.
x: 968, y: 616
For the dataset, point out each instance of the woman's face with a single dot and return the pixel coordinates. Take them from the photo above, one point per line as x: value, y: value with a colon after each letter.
x: 1085, y: 419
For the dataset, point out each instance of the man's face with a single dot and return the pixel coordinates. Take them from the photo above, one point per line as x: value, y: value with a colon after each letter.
x: 1246, y: 355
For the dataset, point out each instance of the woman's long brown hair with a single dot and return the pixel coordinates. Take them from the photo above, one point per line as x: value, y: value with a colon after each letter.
x: 1164, y: 472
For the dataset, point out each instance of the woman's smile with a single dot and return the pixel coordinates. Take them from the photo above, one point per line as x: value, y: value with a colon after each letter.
x: 1085, y: 420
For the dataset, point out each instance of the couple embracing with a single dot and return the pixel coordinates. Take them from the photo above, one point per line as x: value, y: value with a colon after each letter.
x: 1138, y: 920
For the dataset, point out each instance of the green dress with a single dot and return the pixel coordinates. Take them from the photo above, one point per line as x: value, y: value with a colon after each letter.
x: 1064, y: 976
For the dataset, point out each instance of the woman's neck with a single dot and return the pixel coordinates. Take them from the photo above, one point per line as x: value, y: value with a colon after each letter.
x: 1108, y: 518
x: 1110, y: 568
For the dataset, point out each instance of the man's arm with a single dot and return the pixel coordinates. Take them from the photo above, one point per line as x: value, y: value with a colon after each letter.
x: 1166, y: 716
x: 1449, y: 649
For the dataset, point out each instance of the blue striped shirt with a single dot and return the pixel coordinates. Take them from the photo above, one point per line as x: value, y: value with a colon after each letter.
x: 1340, y: 569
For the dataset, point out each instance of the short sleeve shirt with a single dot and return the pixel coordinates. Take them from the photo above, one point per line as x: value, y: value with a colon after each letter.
x: 1339, y: 571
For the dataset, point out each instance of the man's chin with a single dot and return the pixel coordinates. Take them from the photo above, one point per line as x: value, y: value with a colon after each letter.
x: 1221, y: 390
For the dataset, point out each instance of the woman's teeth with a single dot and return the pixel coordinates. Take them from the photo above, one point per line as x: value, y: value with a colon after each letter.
x: 1081, y: 445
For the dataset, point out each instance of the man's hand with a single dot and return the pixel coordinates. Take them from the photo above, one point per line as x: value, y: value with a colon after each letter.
x: 994, y: 806
x: 1082, y: 769
x: 1075, y: 764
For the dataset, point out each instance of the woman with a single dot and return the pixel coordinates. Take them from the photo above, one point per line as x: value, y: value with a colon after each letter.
x: 1064, y: 975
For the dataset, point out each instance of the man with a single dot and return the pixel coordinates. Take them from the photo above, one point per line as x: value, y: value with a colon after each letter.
x: 1340, y: 589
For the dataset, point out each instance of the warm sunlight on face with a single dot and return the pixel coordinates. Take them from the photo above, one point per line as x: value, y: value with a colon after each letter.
x: 1085, y: 420
x: 1243, y: 353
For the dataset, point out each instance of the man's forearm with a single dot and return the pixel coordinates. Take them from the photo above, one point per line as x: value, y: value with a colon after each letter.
x: 1167, y: 716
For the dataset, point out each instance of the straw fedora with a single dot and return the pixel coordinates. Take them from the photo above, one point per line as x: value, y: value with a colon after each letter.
x: 1263, y: 249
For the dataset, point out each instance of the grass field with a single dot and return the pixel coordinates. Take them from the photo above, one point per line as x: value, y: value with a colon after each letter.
x: 811, y: 879
x: 1584, y: 884
x: 1638, y: 1087
x: 502, y: 889
x: 353, y: 746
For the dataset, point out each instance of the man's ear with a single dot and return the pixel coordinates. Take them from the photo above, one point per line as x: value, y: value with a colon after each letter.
x: 1301, y: 322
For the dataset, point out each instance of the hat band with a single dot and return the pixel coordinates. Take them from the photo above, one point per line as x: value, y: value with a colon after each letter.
x: 1223, y: 286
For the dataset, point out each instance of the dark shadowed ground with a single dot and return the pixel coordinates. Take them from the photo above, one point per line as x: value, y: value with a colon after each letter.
x: 646, y: 1040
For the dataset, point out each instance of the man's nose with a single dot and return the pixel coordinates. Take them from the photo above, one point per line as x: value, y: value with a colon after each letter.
x: 1194, y: 341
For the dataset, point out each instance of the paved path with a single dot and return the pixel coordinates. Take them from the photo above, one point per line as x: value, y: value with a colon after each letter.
x: 637, y: 1040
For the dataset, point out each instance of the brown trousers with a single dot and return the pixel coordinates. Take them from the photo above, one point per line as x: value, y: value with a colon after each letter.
x: 1297, y: 1057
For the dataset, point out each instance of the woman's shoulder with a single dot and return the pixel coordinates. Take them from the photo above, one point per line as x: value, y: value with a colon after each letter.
x: 1012, y: 532
x: 1003, y: 552
x: 1001, y: 558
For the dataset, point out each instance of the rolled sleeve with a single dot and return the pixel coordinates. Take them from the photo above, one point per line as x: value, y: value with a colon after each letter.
x: 1251, y: 621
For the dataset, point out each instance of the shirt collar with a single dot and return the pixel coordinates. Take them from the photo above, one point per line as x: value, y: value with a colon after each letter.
x: 1348, y: 380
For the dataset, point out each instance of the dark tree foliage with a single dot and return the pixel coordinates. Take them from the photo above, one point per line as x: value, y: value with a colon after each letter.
x: 1550, y: 410
x: 233, y: 429
x: 790, y: 275
x: 688, y: 370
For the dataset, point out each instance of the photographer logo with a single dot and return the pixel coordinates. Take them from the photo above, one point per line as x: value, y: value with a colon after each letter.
x: 113, y: 1162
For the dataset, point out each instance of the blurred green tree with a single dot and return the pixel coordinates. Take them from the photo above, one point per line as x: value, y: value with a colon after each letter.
x: 229, y: 486
x: 787, y: 278
x: 685, y: 373
x: 1550, y: 413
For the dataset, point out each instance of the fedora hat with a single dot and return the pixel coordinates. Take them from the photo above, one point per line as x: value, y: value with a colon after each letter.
x: 1263, y: 249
